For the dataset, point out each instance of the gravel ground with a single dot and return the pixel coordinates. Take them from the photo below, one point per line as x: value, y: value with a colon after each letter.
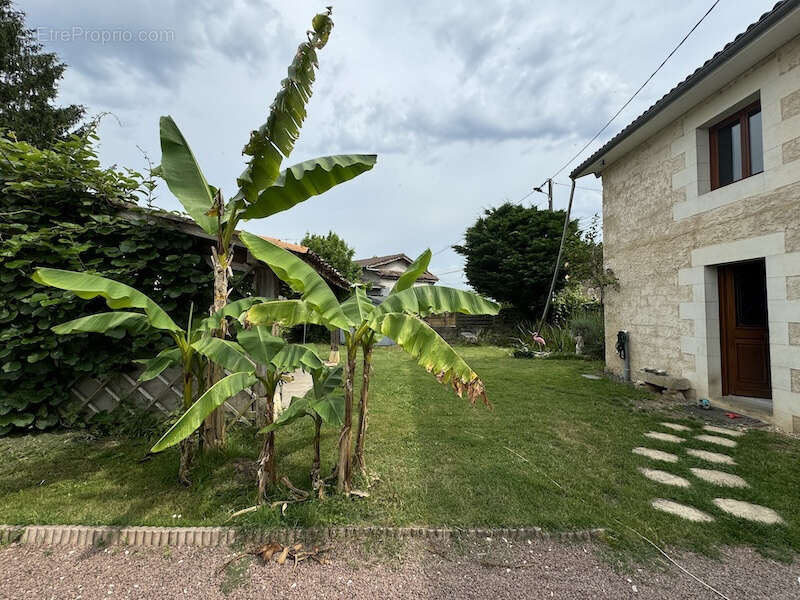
x: 393, y: 570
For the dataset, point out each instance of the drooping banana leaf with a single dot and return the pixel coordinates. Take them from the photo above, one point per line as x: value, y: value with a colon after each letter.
x: 233, y: 310
x: 300, y: 277
x: 413, y: 272
x: 153, y: 367
x: 436, y: 299
x: 330, y: 408
x: 103, y: 322
x: 358, y: 307
x: 184, y: 178
x: 320, y: 399
x: 260, y: 344
x: 296, y: 356
x: 206, y: 404
x: 306, y: 179
x: 433, y: 354
x: 286, y: 312
x: 117, y: 295
x: 229, y: 355
x: 286, y: 115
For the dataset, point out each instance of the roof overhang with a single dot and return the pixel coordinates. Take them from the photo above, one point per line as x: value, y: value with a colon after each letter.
x: 759, y: 41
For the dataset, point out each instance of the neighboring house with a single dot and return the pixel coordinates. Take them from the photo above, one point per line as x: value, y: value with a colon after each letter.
x: 701, y: 224
x: 380, y: 273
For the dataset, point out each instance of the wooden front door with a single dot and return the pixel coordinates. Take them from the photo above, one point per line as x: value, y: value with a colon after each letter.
x: 744, y: 330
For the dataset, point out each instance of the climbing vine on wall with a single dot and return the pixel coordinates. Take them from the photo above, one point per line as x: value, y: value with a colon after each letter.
x: 59, y: 208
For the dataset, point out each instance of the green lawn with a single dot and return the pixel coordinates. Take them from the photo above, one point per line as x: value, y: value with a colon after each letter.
x: 440, y: 463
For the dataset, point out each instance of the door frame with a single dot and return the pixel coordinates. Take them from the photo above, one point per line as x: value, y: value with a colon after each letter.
x: 727, y: 316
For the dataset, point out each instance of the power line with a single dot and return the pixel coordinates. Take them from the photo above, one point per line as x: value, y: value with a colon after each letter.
x: 636, y: 93
x: 578, y: 187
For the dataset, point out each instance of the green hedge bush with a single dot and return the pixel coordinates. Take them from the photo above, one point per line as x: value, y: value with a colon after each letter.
x: 61, y: 209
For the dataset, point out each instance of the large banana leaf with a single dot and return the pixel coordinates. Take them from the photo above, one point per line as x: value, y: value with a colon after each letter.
x: 117, y: 295
x: 153, y: 367
x: 103, y: 322
x: 330, y: 408
x: 286, y: 115
x: 260, y: 344
x: 229, y: 355
x: 184, y: 178
x: 436, y: 299
x: 413, y: 272
x: 296, y: 356
x: 233, y: 309
x: 286, y: 312
x: 320, y: 399
x: 204, y: 406
x: 306, y: 179
x: 300, y: 407
x: 358, y: 307
x: 433, y: 354
x: 327, y: 380
x: 300, y: 277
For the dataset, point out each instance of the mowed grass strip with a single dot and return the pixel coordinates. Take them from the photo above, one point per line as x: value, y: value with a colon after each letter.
x: 555, y: 452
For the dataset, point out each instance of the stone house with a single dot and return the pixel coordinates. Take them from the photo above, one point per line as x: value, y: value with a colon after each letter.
x: 380, y: 273
x: 701, y: 224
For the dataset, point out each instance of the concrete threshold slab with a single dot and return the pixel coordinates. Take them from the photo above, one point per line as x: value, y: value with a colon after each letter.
x: 211, y: 537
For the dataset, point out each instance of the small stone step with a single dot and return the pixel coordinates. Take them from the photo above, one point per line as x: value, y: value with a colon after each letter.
x: 675, y: 426
x: 655, y: 454
x: 681, y: 510
x: 719, y: 478
x: 713, y: 457
x: 664, y: 437
x: 723, y: 431
x: 664, y: 477
x: 719, y: 441
x: 750, y: 512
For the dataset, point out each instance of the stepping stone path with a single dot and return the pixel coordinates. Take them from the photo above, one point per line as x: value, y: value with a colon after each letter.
x: 714, y: 457
x: 723, y: 431
x: 687, y: 512
x: 737, y: 508
x: 751, y: 512
x: 656, y: 454
x: 675, y: 426
x: 664, y: 437
x: 664, y: 477
x: 719, y: 478
x: 714, y: 439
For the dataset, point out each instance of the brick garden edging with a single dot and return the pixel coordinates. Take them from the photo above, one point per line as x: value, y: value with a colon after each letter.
x: 211, y: 537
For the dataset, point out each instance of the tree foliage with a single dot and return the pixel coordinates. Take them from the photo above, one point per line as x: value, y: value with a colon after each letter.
x: 61, y: 210
x: 336, y: 253
x: 28, y: 84
x: 511, y: 252
x: 587, y: 262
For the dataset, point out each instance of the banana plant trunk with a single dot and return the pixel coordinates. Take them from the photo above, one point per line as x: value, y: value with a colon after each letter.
x: 363, y: 408
x: 345, y: 462
x: 213, y: 432
x: 187, y: 446
x: 317, y: 484
x: 267, y: 476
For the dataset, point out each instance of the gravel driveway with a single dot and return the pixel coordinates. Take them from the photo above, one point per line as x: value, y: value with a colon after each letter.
x: 537, y: 570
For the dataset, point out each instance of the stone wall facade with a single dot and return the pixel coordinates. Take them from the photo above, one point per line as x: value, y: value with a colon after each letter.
x: 665, y: 231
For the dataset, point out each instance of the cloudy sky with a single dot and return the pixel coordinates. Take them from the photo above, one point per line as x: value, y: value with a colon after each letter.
x: 468, y: 104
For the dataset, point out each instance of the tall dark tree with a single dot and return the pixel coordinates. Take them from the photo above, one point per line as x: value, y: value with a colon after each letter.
x: 336, y: 253
x: 28, y: 84
x: 510, y: 254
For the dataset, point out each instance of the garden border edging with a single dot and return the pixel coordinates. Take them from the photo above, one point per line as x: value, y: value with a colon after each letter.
x: 212, y: 537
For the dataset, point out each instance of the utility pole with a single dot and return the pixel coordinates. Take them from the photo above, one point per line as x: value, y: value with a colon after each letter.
x: 550, y: 194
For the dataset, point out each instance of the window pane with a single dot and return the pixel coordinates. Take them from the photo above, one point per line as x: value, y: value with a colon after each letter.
x: 756, y: 144
x: 729, y: 153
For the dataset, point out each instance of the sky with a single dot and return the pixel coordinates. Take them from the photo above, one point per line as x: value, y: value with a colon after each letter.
x: 467, y: 104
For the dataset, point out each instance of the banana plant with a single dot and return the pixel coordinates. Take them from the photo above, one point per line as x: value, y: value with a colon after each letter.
x: 263, y: 188
x: 399, y: 318
x: 323, y: 404
x: 152, y: 317
x: 256, y: 357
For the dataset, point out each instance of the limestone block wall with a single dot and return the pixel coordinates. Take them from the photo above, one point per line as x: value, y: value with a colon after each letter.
x: 664, y: 231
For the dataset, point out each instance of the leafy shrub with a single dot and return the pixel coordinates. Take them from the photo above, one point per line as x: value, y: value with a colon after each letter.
x: 557, y: 339
x: 61, y: 210
x: 591, y: 327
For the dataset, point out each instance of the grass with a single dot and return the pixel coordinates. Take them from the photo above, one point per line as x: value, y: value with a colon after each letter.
x: 555, y: 453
